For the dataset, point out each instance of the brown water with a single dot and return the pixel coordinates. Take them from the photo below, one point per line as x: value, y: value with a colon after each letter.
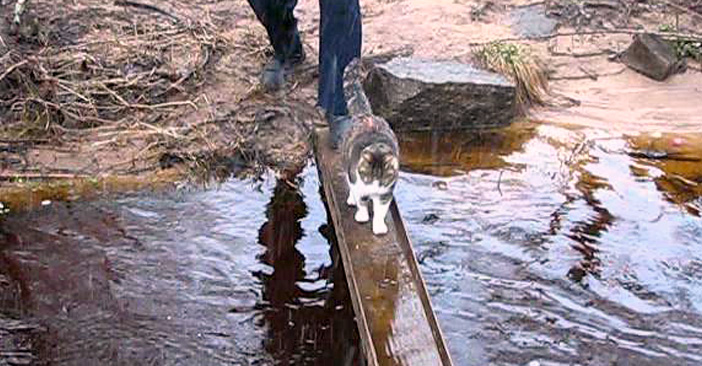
x: 242, y: 275
x: 537, y: 242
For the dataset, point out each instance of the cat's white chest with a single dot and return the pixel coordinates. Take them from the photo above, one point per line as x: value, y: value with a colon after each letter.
x: 359, y: 195
x: 361, y: 189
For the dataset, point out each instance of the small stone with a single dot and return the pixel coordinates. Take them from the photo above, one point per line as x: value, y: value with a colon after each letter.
x: 440, y: 185
x: 430, y: 219
x: 45, y: 202
x: 532, y: 21
x: 413, y: 94
x: 652, y: 56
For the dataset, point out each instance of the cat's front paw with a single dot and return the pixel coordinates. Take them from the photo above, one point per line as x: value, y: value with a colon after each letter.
x: 362, y: 215
x: 350, y: 201
x: 380, y: 228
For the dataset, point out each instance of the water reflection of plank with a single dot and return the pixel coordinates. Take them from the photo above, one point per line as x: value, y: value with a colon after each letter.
x: 393, y: 311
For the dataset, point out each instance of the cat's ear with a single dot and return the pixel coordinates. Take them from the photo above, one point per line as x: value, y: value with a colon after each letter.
x: 364, y: 165
x: 367, y: 156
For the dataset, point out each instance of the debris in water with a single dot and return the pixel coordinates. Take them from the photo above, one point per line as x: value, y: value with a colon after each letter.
x: 45, y: 202
x: 430, y: 219
x: 440, y: 185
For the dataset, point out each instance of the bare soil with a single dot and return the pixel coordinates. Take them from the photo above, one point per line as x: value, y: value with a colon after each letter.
x: 93, y: 89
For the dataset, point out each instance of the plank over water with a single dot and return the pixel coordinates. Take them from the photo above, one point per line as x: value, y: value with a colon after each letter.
x: 393, y: 312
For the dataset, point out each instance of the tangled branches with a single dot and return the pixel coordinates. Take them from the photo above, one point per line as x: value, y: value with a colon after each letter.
x: 118, y: 69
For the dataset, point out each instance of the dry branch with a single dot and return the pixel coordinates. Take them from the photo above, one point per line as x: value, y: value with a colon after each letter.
x: 147, y: 7
x: 36, y: 176
x: 667, y: 35
x: 105, y: 78
x: 682, y: 8
x: 12, y: 68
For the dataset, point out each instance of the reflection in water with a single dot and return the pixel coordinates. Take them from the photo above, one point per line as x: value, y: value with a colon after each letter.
x: 570, y: 249
x: 587, y: 233
x: 308, y: 324
x: 448, y: 153
x: 679, y: 158
x: 176, y: 280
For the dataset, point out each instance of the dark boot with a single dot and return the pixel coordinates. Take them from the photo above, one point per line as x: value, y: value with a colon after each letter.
x: 273, y: 76
x: 276, y: 71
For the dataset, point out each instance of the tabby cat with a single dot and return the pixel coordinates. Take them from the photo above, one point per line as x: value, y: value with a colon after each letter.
x: 370, y: 154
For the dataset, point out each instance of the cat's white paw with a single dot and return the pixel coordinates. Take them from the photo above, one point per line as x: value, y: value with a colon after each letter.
x: 362, y: 215
x: 379, y: 228
x: 350, y: 201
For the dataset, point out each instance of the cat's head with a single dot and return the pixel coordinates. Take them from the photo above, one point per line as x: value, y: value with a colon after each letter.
x: 378, y: 162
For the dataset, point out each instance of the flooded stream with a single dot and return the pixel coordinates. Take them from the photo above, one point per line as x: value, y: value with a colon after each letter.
x: 565, y: 246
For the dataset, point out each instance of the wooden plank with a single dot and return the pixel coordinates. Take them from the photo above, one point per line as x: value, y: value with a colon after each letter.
x: 393, y: 312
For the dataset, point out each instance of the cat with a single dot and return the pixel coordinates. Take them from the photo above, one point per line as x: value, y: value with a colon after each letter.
x: 370, y: 154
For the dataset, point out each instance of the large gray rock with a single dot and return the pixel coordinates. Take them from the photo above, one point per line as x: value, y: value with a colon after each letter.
x: 414, y: 94
x: 651, y: 56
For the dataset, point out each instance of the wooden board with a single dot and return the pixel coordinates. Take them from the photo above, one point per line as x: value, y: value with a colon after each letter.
x: 393, y: 312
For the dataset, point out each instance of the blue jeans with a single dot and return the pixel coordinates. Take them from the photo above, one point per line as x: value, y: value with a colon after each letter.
x: 339, y: 40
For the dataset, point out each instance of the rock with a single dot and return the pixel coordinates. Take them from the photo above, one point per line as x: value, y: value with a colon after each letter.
x: 531, y: 21
x: 440, y: 185
x: 651, y: 56
x: 430, y: 219
x: 413, y: 94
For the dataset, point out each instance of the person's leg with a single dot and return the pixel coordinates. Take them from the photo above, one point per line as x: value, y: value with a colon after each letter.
x: 339, y: 43
x: 280, y: 23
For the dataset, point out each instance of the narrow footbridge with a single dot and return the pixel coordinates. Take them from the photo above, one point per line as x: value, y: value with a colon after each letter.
x: 393, y: 312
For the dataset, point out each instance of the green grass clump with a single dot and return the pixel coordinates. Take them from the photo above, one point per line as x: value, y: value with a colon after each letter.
x: 683, y: 48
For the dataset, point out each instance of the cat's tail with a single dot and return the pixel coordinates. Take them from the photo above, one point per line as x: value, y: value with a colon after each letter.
x: 356, y: 100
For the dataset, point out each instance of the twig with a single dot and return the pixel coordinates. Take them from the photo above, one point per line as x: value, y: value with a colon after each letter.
x: 682, y: 8
x: 12, y: 68
x: 71, y: 91
x: 150, y: 7
x: 165, y: 105
x: 590, y: 75
x: 676, y: 35
x: 552, y: 50
x: 499, y: 182
x: 11, y: 176
x: 587, y: 72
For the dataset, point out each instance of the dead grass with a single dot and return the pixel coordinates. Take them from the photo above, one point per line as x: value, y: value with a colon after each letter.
x: 520, y: 65
x: 90, y: 75
x: 109, y: 75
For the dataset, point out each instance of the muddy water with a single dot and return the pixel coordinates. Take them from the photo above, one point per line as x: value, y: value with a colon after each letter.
x: 566, y: 246
x: 241, y: 275
x: 562, y: 246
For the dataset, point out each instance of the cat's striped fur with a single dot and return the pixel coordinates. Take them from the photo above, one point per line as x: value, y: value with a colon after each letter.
x: 370, y: 154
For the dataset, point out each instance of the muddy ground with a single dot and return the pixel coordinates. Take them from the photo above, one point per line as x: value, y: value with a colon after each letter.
x: 99, y: 94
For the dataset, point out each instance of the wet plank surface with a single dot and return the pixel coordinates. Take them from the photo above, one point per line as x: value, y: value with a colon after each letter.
x: 393, y: 311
